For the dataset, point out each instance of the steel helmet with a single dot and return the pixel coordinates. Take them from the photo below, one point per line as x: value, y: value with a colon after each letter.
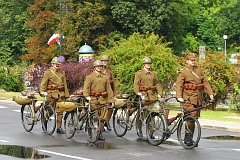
x: 146, y: 60
x: 97, y: 63
x: 55, y: 60
x: 104, y: 58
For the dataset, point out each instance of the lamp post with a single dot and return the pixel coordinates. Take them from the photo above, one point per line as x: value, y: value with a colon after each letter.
x: 66, y: 8
x: 225, y: 46
x: 61, y: 37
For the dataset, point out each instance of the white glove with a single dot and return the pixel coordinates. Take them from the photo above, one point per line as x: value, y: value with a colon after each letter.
x: 88, y: 98
x: 180, y: 100
x: 162, y: 100
x: 139, y: 94
x: 44, y: 93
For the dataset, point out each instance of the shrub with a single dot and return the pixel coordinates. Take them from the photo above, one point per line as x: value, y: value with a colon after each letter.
x: 75, y: 72
x: 11, y: 78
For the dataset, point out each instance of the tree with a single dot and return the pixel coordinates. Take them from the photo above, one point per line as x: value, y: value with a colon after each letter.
x: 83, y: 22
x: 126, y: 56
x: 221, y: 75
x: 165, y: 18
x: 12, y: 37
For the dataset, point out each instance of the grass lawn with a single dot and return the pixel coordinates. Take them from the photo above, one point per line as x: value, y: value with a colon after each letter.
x: 9, y: 95
x: 223, y: 115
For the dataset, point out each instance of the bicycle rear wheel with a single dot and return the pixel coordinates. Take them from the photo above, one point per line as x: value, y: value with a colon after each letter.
x: 48, y: 119
x: 189, y: 132
x: 156, y: 127
x: 120, y: 119
x: 27, y: 117
x: 141, y: 124
x: 70, y: 124
x: 93, y: 127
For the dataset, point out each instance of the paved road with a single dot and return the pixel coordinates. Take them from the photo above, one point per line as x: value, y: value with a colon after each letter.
x: 128, y: 147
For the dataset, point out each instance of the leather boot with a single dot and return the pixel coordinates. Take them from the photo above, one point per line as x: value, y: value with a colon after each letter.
x: 188, y: 139
x: 59, y: 124
x: 60, y: 131
x: 100, y: 129
x: 101, y: 137
x: 107, y: 125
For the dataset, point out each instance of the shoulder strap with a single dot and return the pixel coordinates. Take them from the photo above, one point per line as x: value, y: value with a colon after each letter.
x: 56, y: 75
x: 194, y: 74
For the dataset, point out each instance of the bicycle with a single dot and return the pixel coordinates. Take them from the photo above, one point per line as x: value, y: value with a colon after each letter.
x: 159, y: 128
x: 45, y: 113
x: 83, y: 117
x: 123, y: 120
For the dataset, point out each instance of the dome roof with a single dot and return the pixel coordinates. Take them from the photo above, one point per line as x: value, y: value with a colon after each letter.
x: 85, y: 49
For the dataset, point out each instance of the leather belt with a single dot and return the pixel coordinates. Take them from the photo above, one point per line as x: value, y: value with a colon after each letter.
x: 193, y: 86
x: 55, y: 87
x: 97, y: 94
x: 145, y: 88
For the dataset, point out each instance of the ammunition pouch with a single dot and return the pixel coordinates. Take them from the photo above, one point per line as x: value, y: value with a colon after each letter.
x: 55, y: 87
x: 193, y: 86
x: 97, y: 94
x: 145, y: 88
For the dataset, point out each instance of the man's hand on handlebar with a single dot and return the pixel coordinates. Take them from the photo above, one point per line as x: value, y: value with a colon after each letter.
x: 43, y: 94
x: 180, y: 100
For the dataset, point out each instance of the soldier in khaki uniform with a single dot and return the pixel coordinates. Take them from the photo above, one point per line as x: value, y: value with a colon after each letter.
x: 54, y: 83
x: 190, y: 83
x: 98, y: 83
x: 146, y: 82
x: 108, y: 71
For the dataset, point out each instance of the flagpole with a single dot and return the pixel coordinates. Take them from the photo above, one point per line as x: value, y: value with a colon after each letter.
x: 61, y: 37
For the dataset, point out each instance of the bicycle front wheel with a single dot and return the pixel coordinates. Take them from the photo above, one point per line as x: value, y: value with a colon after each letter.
x: 27, y: 117
x: 189, y: 132
x: 120, y: 121
x: 48, y: 119
x: 70, y: 124
x: 93, y: 127
x: 141, y: 121
x: 156, y: 127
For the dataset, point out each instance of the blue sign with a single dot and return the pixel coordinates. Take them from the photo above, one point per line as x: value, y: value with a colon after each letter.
x: 61, y: 59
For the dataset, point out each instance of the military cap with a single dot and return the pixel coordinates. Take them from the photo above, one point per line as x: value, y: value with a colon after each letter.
x: 104, y: 58
x: 146, y: 60
x: 55, y: 60
x: 97, y: 63
x: 191, y: 56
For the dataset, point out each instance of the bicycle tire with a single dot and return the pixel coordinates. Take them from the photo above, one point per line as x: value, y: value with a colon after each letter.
x: 120, y: 119
x: 48, y: 119
x: 70, y: 122
x: 27, y: 117
x: 186, y: 138
x: 156, y: 128
x: 141, y: 126
x: 93, y: 127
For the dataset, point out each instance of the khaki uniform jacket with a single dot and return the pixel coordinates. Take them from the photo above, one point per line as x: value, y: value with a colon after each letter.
x: 108, y: 71
x: 57, y: 78
x: 149, y: 79
x: 98, y: 83
x: 186, y: 76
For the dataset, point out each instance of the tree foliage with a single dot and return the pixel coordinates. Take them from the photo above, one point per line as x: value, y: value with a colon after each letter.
x: 79, y: 23
x: 126, y: 58
x: 11, y: 78
x: 221, y: 75
x: 12, y: 17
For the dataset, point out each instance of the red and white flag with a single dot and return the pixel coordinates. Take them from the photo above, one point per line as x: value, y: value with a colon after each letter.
x: 53, y: 39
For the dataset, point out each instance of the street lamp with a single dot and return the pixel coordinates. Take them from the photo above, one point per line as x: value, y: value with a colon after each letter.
x: 61, y: 37
x: 225, y: 45
x: 66, y: 8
